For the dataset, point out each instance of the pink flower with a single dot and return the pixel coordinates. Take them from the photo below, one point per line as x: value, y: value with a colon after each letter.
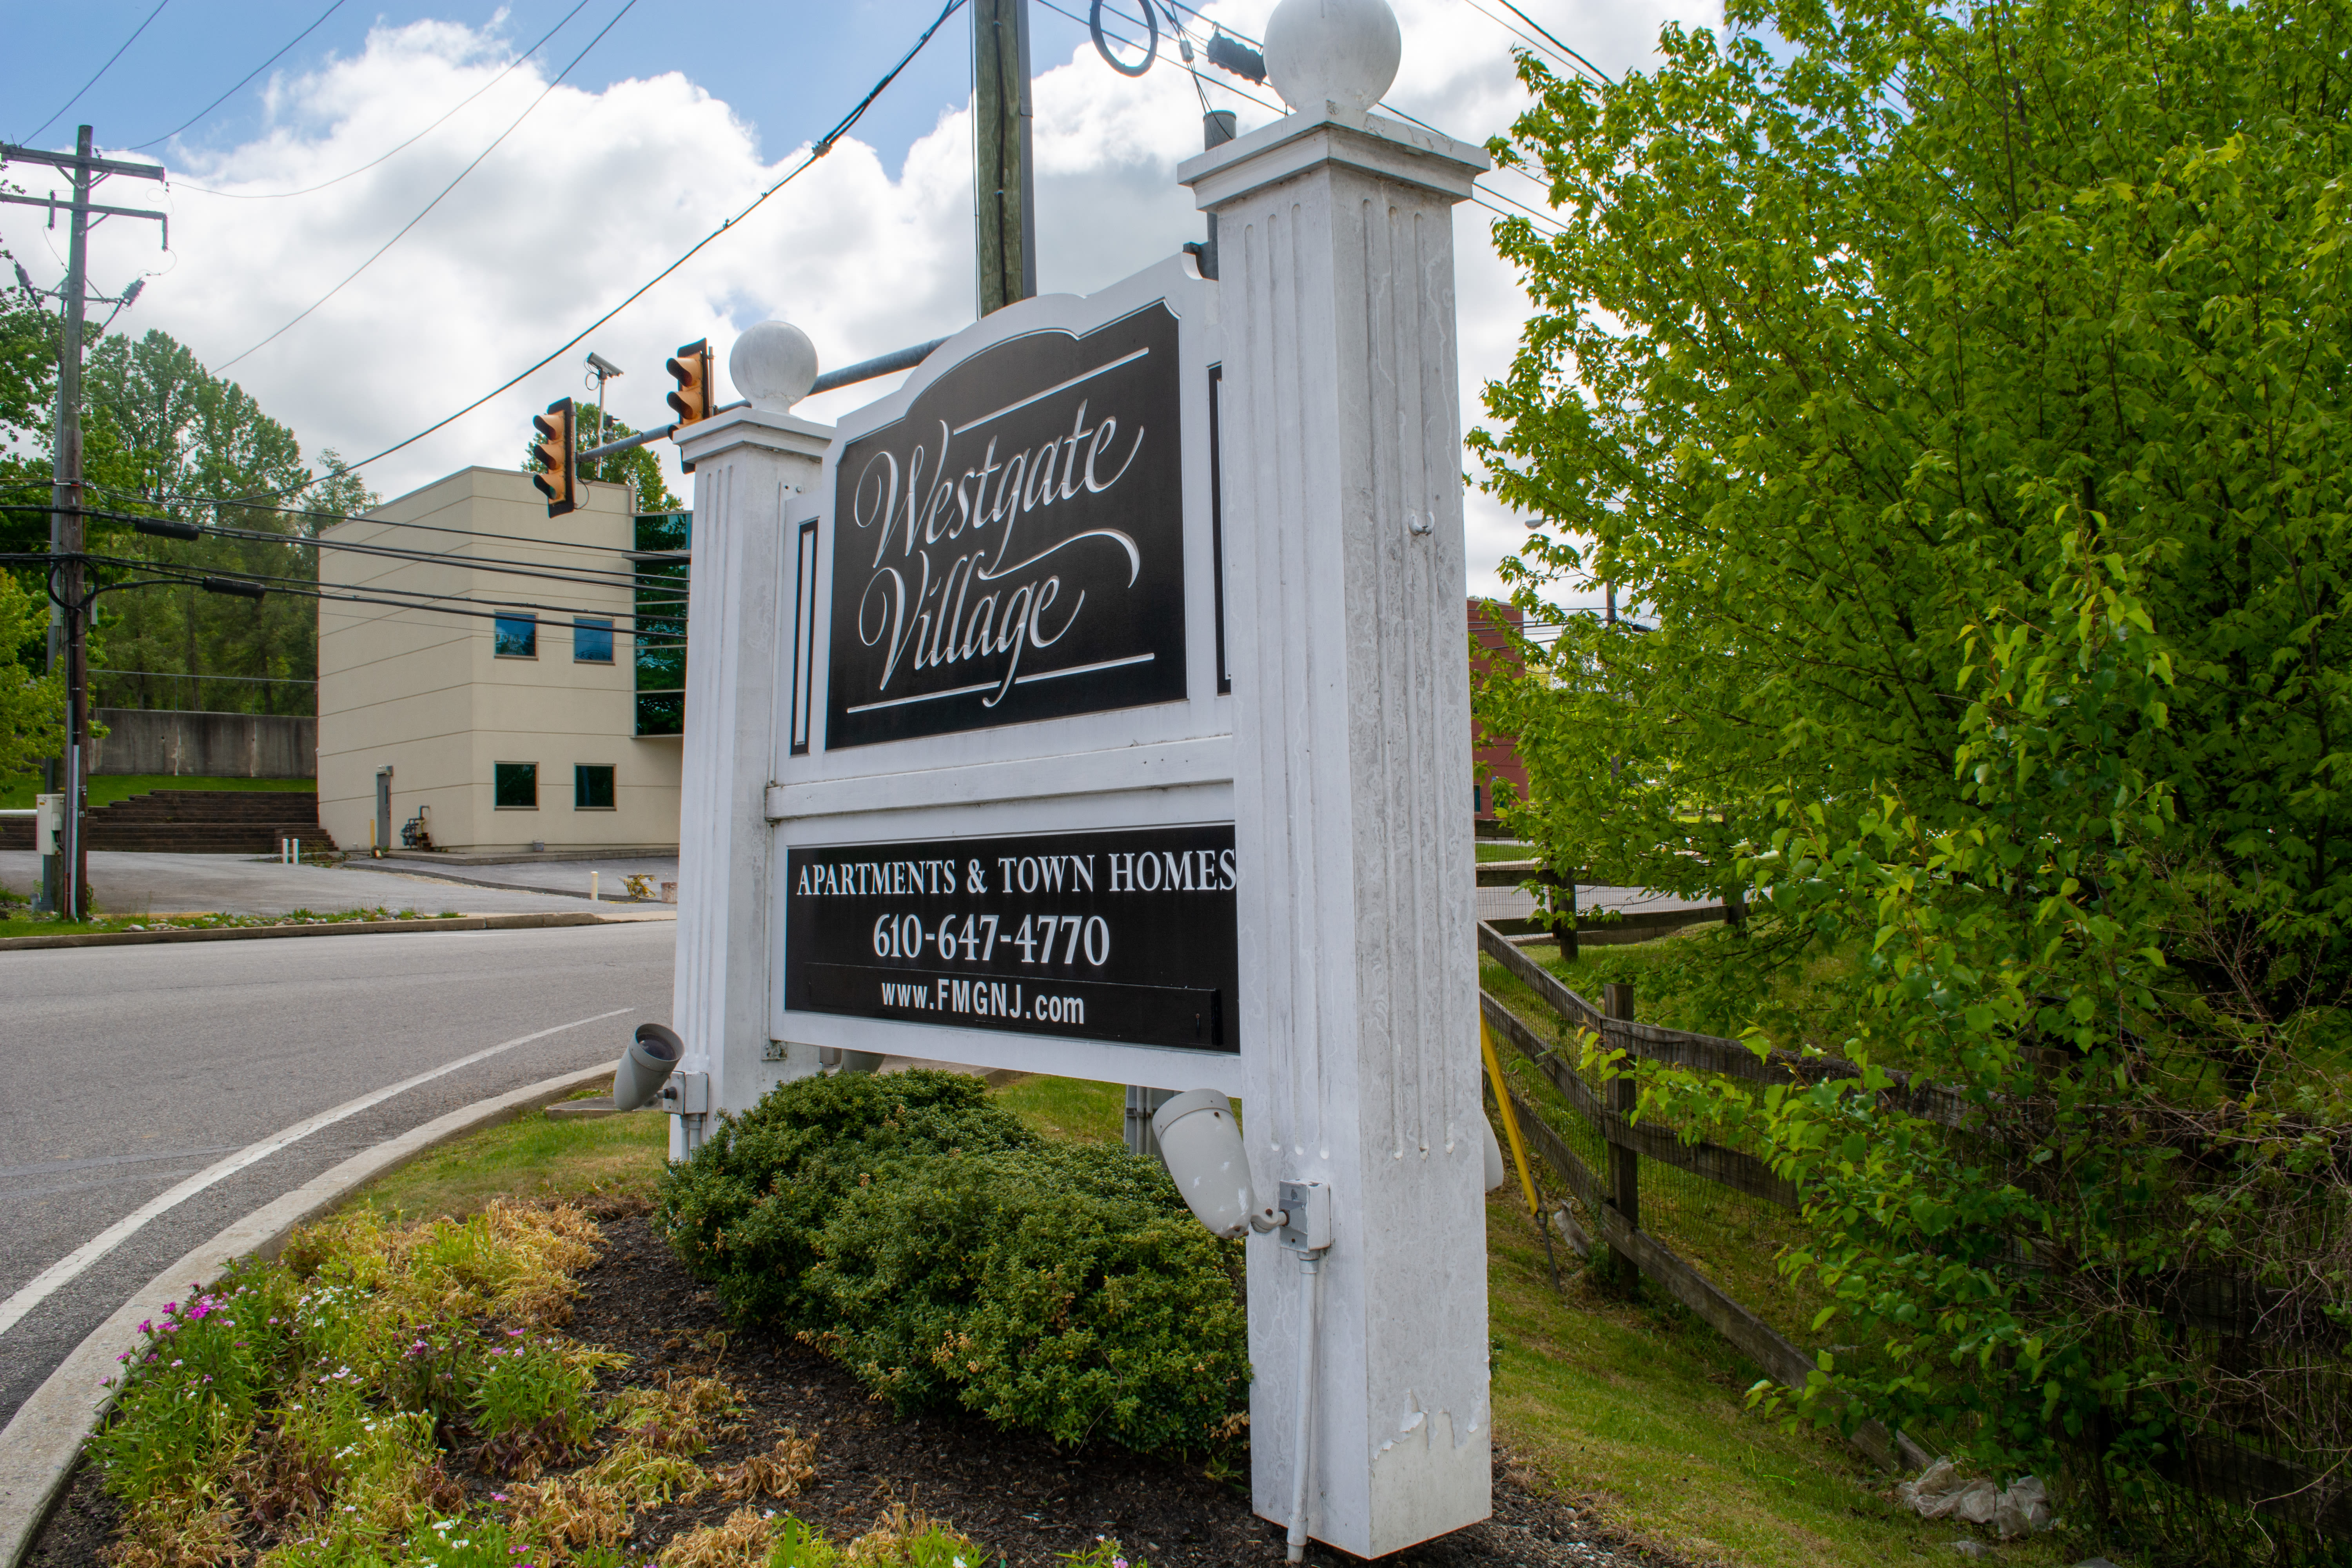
x: 170, y: 1308
x: 147, y: 1328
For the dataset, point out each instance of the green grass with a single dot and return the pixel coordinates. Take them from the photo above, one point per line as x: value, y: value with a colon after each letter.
x: 105, y: 789
x: 1639, y: 1408
x: 1488, y: 849
x: 42, y: 925
x: 532, y: 1157
x: 1067, y: 1108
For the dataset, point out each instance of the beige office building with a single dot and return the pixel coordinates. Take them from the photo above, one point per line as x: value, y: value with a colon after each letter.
x: 506, y: 712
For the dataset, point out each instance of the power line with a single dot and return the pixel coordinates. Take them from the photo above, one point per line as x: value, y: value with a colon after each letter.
x: 332, y: 518
x: 581, y: 577
x: 512, y: 66
x: 101, y: 71
x: 626, y: 7
x: 224, y: 97
x: 815, y: 152
x: 1563, y: 48
x: 412, y: 598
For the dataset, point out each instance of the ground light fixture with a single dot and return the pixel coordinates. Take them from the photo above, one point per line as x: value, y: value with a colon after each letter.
x: 1201, y: 1144
x: 645, y: 1066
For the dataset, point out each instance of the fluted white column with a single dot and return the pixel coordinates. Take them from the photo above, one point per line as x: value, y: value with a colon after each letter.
x: 1346, y: 581
x: 755, y: 475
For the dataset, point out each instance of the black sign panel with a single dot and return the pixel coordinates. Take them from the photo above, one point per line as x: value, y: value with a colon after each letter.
x: 1126, y: 935
x: 1013, y: 548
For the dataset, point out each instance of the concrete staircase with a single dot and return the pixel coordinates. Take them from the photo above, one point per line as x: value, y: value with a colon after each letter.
x: 194, y: 822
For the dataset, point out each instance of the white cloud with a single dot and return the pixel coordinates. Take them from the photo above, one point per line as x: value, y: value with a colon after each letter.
x: 596, y: 191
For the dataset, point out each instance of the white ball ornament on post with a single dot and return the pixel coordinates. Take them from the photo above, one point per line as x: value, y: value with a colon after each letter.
x: 1343, y: 53
x: 773, y: 365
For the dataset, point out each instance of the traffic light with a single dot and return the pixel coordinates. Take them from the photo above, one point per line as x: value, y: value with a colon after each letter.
x: 692, y: 400
x: 559, y: 476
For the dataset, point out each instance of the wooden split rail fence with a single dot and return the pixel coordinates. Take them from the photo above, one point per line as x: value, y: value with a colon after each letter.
x: 1602, y: 927
x: 1613, y: 1196
x: 2215, y: 1465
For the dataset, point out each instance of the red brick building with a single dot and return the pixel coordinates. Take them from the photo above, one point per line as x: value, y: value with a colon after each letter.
x: 1492, y: 757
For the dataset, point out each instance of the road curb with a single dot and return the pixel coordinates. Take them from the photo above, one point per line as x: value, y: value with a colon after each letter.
x: 434, y: 874
x: 42, y: 1441
x: 336, y: 928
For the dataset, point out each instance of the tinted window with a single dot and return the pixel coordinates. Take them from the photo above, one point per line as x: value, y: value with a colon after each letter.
x: 591, y: 642
x: 517, y: 636
x: 592, y: 788
x: 515, y: 786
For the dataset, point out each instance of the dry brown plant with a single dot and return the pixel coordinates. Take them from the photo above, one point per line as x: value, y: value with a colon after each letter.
x: 779, y: 1473
x: 740, y: 1542
x: 168, y: 1537
x: 886, y: 1546
x: 565, y: 1515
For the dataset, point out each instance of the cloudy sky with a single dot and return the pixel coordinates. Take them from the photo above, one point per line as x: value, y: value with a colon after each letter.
x: 675, y: 118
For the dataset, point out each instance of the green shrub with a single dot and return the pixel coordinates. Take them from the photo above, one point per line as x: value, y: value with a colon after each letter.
x: 744, y: 1213
x: 915, y: 1232
x: 1063, y: 1289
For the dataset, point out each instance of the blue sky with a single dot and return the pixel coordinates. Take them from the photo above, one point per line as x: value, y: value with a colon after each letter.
x: 677, y: 118
x: 763, y: 59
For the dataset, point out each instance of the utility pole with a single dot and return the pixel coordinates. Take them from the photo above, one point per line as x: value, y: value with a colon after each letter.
x: 1004, y: 186
x: 69, y: 598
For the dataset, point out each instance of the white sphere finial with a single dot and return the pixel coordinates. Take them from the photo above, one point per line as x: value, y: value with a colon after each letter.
x: 1342, y: 52
x: 772, y: 365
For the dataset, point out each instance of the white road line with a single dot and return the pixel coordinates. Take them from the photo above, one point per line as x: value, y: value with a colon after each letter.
x: 67, y: 1269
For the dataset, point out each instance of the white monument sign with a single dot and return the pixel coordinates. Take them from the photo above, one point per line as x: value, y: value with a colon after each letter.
x: 1096, y: 704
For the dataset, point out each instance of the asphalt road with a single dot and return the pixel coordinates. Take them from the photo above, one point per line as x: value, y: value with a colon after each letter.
x: 129, y: 1069
x: 124, y: 881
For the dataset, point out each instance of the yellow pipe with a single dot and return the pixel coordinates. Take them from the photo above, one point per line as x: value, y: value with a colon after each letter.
x: 1510, y: 1119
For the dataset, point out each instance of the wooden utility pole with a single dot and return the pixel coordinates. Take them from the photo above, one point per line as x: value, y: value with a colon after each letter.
x: 1004, y: 186
x: 69, y: 587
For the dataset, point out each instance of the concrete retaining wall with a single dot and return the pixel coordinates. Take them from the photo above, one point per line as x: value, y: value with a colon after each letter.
x: 207, y: 745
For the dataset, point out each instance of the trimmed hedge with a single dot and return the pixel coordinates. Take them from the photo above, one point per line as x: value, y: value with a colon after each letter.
x: 921, y: 1235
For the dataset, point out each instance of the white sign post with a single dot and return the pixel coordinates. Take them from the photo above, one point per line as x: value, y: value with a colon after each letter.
x: 1343, y: 507
x: 1097, y: 704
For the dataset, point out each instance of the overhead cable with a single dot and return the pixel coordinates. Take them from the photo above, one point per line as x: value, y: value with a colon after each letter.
x: 626, y: 7
x: 512, y: 66
x: 171, y: 497
x: 101, y: 71
x: 410, y: 598
x: 816, y: 151
x: 334, y: 6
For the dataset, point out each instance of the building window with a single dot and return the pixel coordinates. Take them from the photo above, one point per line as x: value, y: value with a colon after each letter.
x: 514, y: 786
x: 592, y: 788
x: 664, y: 541
x: 517, y: 636
x: 592, y: 641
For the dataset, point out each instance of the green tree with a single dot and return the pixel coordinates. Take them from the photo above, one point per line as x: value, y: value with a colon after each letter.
x: 1958, y: 395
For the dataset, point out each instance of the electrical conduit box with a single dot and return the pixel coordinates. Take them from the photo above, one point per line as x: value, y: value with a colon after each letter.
x: 48, y: 823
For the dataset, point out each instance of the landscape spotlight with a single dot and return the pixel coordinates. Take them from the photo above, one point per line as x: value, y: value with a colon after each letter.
x: 645, y: 1066
x: 1201, y: 1144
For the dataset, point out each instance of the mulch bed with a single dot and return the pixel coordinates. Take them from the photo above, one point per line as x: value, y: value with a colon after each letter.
x: 1027, y: 1500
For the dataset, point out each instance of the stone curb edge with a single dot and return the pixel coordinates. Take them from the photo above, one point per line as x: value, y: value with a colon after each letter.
x: 43, y: 1439
x: 336, y: 928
